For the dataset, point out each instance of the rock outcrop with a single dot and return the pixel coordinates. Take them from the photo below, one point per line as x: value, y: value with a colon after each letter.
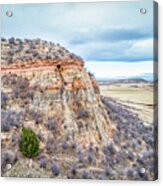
x: 47, y: 88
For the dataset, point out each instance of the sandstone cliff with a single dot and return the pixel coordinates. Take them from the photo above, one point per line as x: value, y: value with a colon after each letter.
x: 47, y: 88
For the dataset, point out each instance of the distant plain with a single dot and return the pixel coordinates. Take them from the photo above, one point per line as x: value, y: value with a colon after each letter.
x: 138, y: 97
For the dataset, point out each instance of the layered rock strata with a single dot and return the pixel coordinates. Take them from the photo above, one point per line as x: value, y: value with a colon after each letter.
x: 43, y: 78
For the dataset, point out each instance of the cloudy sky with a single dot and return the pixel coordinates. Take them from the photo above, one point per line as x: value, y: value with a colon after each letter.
x: 113, y: 38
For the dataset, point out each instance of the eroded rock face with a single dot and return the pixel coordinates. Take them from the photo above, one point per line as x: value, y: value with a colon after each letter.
x: 55, y: 96
x: 60, y: 100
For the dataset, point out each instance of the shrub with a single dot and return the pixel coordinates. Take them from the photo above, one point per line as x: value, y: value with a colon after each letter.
x: 80, y: 157
x: 32, y: 46
x: 10, y: 118
x: 8, y: 157
x: 43, y: 162
x: 73, y: 144
x: 29, y: 144
x: 3, y: 39
x: 9, y: 60
x: 35, y: 115
x: 86, y: 175
x: 48, y: 146
x: 4, y: 99
x: 14, y: 137
x: 74, y: 170
x: 82, y: 114
x: 11, y: 40
x: 102, y: 177
x: 9, y: 80
x: 109, y: 149
x: 51, y: 124
x: 108, y: 171
x: 130, y: 173
x: 91, y: 74
x: 21, y: 88
x: 64, y: 145
x: 91, y: 157
x: 40, y: 136
x: 35, y: 54
x: 55, y: 169
x: 20, y: 46
x: 30, y: 94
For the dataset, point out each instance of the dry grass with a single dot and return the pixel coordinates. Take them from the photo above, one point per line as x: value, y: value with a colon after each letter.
x: 139, y: 97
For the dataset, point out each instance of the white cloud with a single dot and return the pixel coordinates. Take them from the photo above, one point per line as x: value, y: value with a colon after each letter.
x: 118, y: 69
x: 106, y: 31
x: 144, y: 47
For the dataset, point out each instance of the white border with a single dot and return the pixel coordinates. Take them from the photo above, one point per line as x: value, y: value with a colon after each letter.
x: 47, y: 182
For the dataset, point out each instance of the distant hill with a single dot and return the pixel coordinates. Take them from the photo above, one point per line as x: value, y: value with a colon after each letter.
x: 123, y: 81
x: 150, y: 77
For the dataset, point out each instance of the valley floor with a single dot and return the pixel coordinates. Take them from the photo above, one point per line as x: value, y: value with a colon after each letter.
x: 139, y: 98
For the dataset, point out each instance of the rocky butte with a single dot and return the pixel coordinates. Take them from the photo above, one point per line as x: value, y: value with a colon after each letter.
x: 81, y: 134
x: 47, y: 88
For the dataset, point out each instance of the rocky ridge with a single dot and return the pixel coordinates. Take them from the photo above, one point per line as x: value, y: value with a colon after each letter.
x: 14, y: 50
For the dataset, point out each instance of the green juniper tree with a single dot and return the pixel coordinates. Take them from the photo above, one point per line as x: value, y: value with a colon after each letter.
x: 29, y: 143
